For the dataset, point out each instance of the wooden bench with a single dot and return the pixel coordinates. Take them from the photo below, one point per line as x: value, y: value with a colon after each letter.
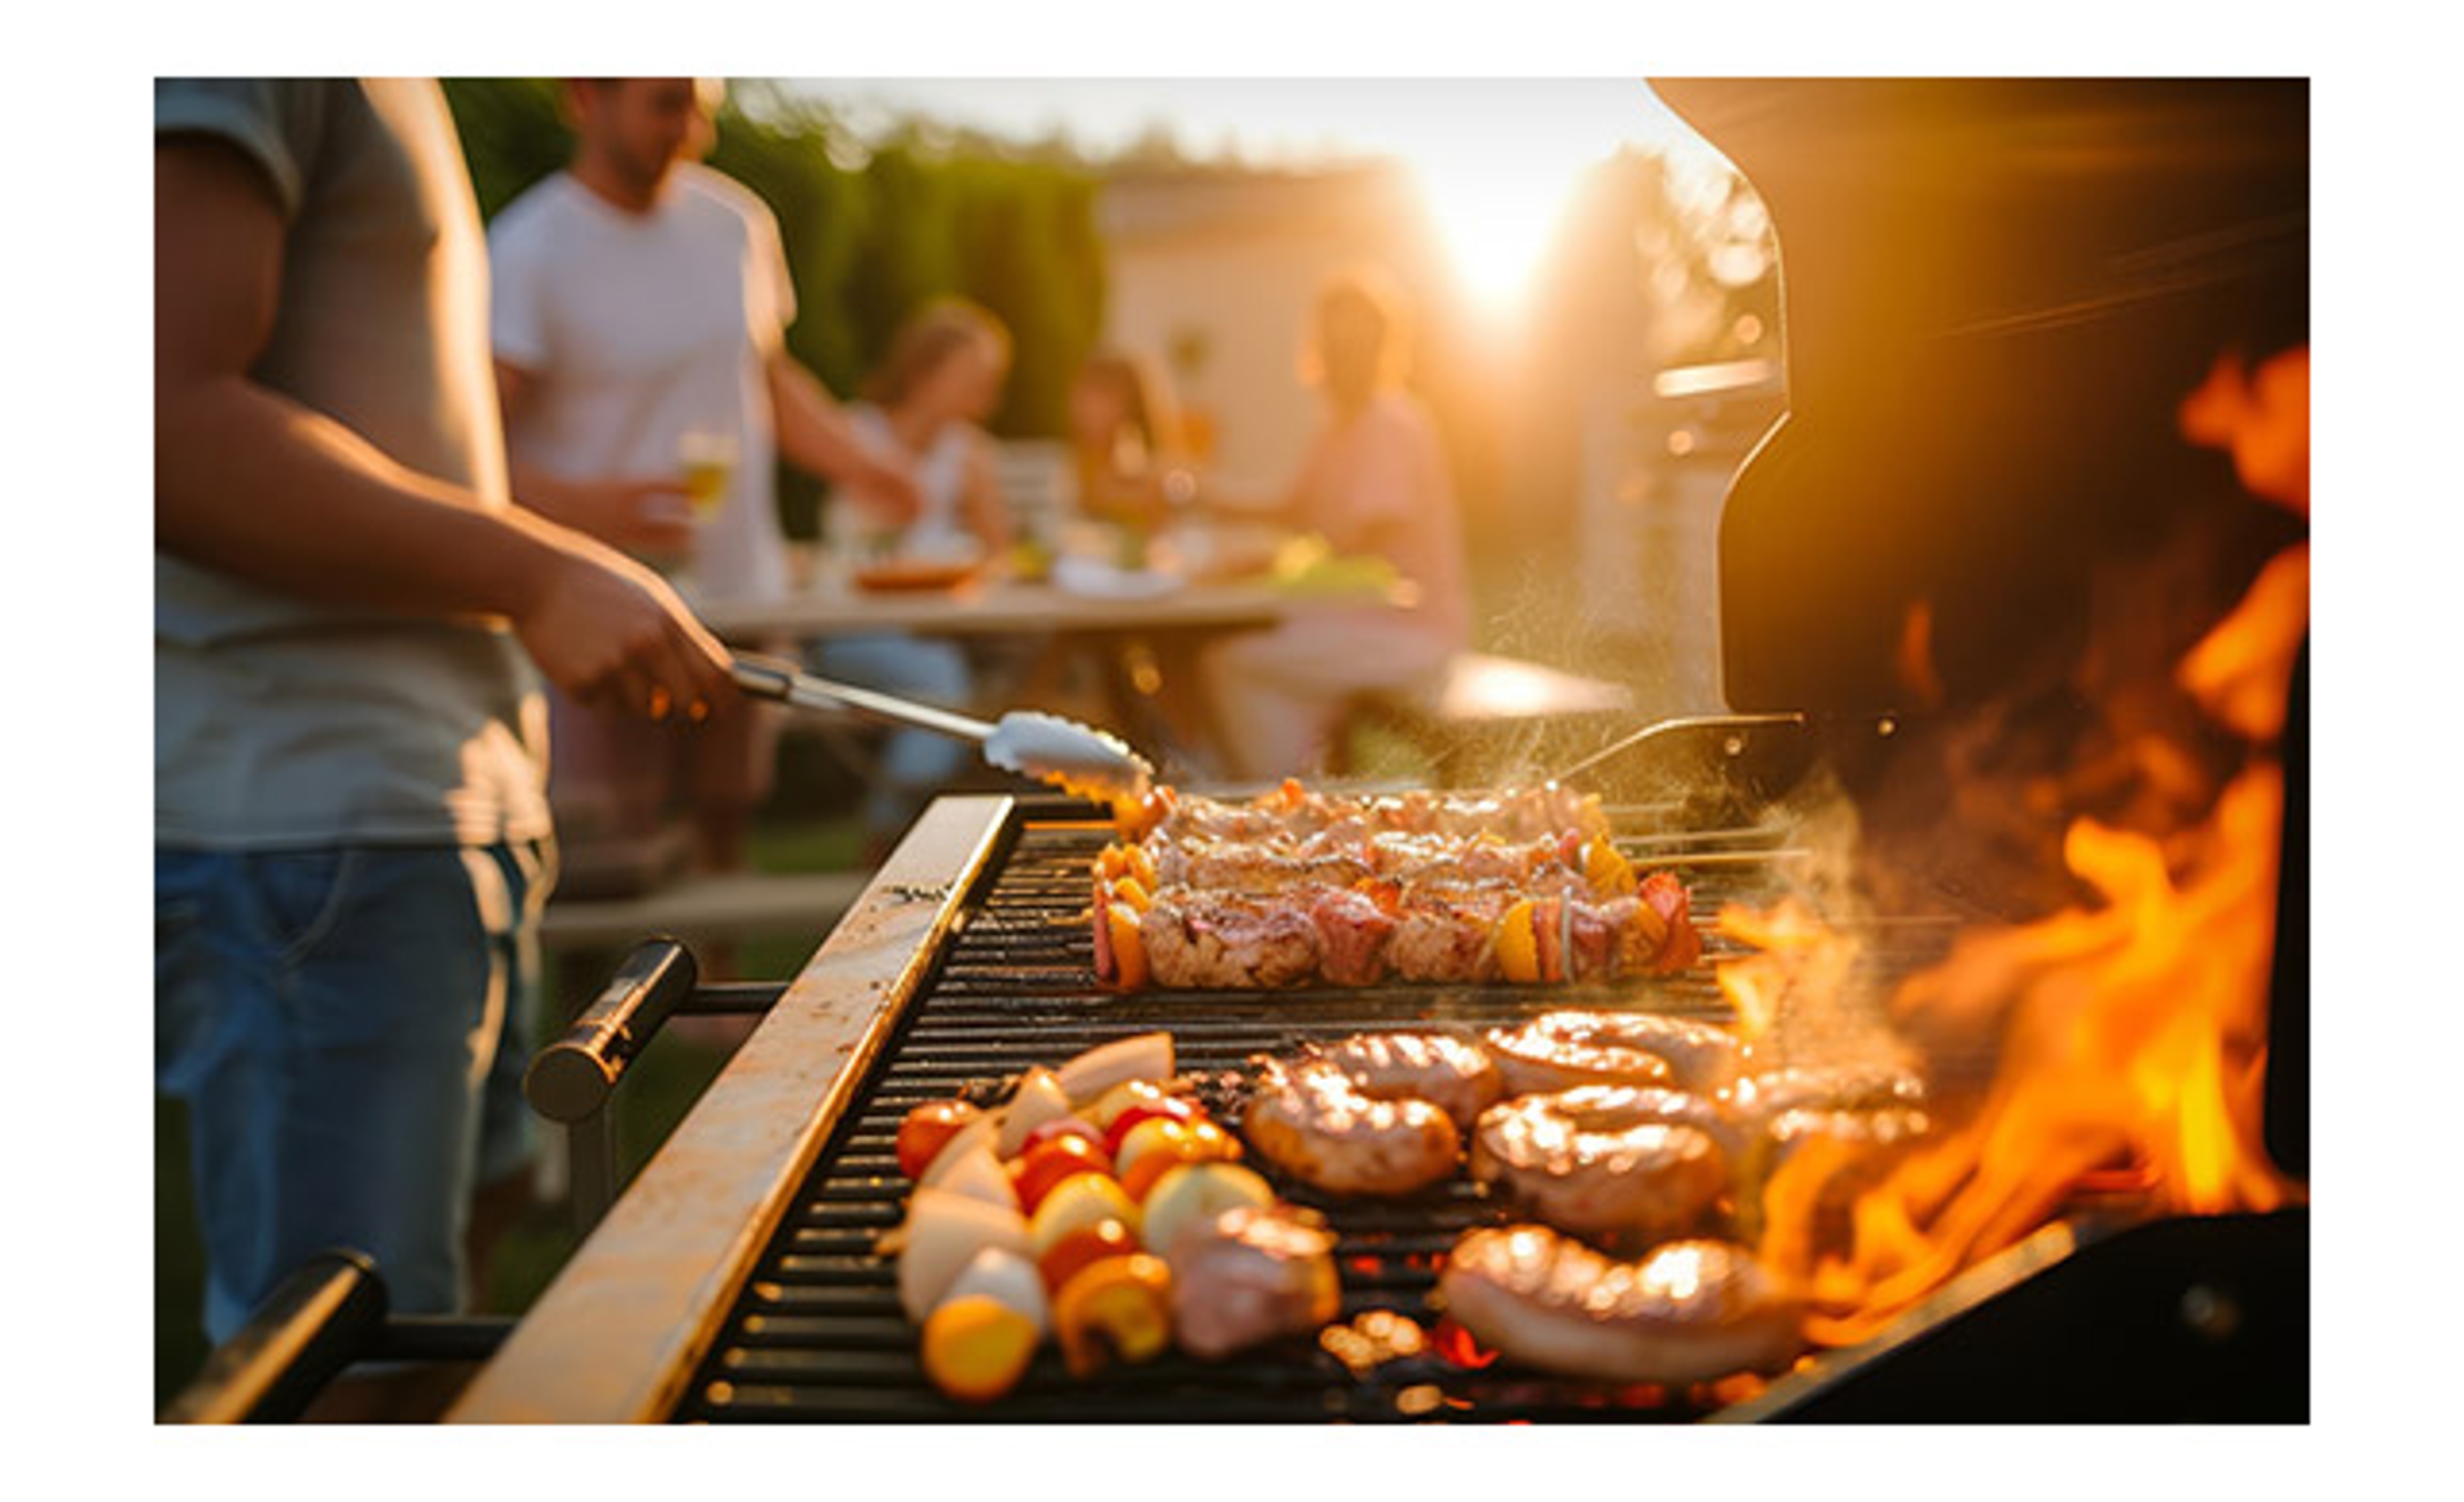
x: 707, y: 908
x: 1491, y: 716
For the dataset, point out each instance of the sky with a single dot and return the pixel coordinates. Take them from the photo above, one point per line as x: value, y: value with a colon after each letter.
x: 1274, y: 119
x: 1497, y: 160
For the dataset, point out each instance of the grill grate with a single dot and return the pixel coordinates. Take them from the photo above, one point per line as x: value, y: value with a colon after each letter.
x: 818, y: 1334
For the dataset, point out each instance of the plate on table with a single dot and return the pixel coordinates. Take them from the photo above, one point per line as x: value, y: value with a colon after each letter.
x: 1098, y: 579
x: 916, y: 574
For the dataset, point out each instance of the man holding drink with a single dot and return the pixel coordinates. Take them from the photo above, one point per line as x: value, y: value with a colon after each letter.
x: 641, y: 303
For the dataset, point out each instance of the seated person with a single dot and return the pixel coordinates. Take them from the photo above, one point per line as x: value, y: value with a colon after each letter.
x: 1131, y: 457
x: 1374, y: 481
x: 923, y: 408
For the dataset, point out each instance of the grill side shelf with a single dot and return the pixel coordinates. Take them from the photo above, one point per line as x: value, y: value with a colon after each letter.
x: 617, y: 1334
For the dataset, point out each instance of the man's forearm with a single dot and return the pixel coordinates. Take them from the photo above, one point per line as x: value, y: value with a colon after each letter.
x: 258, y: 486
x: 813, y: 431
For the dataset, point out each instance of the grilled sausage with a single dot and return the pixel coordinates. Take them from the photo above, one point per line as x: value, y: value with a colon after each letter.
x: 1690, y: 1310
x: 1606, y: 1161
x: 1453, y: 1075
x: 1318, y: 1124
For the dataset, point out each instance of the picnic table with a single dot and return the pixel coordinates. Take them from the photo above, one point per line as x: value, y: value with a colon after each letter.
x: 1141, y: 649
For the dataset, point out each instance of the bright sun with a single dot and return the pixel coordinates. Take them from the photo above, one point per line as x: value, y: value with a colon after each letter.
x: 1496, y: 216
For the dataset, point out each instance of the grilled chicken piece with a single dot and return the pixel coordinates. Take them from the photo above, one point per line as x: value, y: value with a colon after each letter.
x: 1318, y: 1124
x: 1690, y: 1310
x: 1609, y: 1161
x: 1216, y: 941
x: 1446, y: 941
x: 1352, y: 936
x: 1249, y: 1276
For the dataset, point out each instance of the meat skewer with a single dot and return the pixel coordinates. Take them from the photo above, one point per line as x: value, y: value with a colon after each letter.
x: 1298, y: 888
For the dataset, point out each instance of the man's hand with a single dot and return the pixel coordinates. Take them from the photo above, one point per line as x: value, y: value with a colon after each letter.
x: 249, y: 481
x: 611, y: 634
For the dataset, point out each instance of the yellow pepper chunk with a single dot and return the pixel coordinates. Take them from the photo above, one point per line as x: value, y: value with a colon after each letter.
x: 1610, y: 872
x: 1518, y: 947
x: 976, y: 1347
x: 1116, y: 1310
x: 1129, y: 948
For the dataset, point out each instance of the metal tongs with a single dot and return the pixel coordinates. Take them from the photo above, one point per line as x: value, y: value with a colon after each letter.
x: 1077, y: 758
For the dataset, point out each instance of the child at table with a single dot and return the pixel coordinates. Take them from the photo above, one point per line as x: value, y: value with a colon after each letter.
x: 924, y: 406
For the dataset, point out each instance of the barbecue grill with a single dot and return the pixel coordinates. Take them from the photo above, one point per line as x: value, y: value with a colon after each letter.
x: 738, y: 1280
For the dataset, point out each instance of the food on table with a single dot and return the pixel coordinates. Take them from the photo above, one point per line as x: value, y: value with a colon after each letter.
x: 1248, y: 1276
x: 1314, y: 1121
x: 1687, y: 1311
x: 1561, y: 1049
x: 1294, y: 888
x: 1606, y: 1161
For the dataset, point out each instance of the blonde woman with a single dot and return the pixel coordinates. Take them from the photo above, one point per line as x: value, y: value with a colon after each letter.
x: 1374, y: 481
x: 1126, y: 440
x: 924, y: 409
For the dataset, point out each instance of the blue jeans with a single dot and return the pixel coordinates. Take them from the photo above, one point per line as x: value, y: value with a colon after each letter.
x: 347, y: 1028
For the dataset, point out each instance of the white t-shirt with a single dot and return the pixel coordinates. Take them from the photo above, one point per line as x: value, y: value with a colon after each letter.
x: 642, y: 328
x: 286, y: 722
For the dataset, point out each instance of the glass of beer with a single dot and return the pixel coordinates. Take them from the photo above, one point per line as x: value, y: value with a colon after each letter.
x: 707, y: 458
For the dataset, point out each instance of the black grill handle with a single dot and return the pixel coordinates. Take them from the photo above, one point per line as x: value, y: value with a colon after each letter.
x: 569, y: 1080
x: 316, y: 1323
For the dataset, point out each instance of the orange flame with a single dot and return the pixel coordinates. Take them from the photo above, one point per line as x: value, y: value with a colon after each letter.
x: 2134, y: 1029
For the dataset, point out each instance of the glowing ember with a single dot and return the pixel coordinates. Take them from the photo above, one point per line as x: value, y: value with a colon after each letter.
x: 1373, y: 1338
x: 1456, y: 1345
